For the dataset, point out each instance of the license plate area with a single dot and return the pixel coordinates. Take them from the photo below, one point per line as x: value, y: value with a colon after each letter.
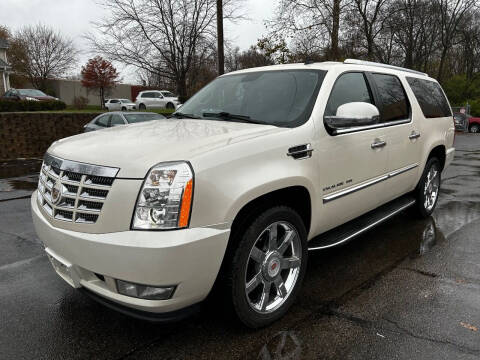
x: 64, y: 269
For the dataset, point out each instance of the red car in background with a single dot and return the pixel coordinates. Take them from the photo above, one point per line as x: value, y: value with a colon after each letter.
x: 27, y: 94
x: 474, y: 124
x: 466, y: 122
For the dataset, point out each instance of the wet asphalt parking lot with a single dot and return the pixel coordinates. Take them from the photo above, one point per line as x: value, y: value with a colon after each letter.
x: 409, y: 289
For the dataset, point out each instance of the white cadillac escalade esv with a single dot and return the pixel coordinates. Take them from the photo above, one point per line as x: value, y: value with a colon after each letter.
x: 259, y: 167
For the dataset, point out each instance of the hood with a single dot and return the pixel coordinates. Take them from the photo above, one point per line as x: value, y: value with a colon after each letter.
x: 137, y: 147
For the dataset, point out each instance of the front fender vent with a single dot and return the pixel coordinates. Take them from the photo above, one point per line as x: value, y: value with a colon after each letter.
x: 300, y: 152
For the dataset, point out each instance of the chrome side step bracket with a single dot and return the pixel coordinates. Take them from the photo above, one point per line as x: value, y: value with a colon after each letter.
x: 358, y: 226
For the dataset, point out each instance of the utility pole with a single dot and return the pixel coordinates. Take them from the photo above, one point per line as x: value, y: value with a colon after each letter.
x: 220, y: 51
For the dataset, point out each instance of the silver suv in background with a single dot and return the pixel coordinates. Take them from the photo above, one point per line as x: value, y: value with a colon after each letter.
x: 156, y: 99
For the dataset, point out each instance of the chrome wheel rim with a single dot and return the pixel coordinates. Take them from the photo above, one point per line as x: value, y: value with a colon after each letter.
x: 273, y: 267
x: 431, y: 187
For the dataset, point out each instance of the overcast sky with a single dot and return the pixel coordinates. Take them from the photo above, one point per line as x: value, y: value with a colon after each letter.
x: 73, y: 17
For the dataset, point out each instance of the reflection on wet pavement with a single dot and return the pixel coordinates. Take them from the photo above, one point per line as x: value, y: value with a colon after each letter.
x: 19, y: 184
x: 283, y: 345
x: 401, y: 290
x: 19, y: 167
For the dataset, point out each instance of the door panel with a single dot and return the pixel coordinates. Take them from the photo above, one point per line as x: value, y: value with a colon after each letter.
x: 404, y: 139
x: 352, y: 181
x: 353, y: 172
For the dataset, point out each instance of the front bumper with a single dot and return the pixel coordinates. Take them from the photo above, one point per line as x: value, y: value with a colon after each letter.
x: 189, y: 259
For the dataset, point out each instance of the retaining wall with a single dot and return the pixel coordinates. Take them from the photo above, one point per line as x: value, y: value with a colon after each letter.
x: 28, y: 135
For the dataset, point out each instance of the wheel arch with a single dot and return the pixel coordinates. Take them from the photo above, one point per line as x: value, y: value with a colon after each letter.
x: 439, y: 152
x: 297, y: 197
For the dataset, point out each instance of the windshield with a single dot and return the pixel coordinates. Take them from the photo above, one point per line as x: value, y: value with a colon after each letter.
x: 125, y: 101
x: 31, y: 92
x: 281, y: 97
x: 167, y: 94
x: 135, y: 118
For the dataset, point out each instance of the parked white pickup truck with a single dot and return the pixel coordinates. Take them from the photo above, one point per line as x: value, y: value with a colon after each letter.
x: 259, y: 167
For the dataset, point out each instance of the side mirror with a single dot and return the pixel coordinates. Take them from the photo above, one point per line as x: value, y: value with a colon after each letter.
x: 354, y: 114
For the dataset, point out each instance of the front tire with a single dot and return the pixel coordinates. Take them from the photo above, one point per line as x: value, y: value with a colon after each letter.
x: 475, y: 128
x: 268, y: 266
x: 124, y: 108
x: 428, y: 188
x: 170, y: 106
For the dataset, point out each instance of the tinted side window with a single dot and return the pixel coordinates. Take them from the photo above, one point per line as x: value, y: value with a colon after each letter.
x: 116, y: 120
x: 394, y: 101
x: 430, y: 97
x: 349, y: 87
x: 113, y: 101
x: 147, y: 95
x: 102, y: 121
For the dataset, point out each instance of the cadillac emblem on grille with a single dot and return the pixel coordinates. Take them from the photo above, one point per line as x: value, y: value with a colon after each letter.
x: 57, y: 192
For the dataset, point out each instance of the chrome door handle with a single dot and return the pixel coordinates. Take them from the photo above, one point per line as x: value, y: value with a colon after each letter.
x: 378, y: 144
x: 414, y: 135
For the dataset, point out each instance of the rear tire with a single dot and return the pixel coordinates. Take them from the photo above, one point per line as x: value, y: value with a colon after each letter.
x: 475, y: 128
x: 268, y: 266
x: 142, y: 107
x: 428, y: 188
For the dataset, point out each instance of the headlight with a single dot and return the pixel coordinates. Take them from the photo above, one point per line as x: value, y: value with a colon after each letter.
x: 165, y: 200
x: 31, y: 99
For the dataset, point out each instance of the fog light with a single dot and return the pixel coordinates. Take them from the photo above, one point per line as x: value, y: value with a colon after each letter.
x: 144, y: 291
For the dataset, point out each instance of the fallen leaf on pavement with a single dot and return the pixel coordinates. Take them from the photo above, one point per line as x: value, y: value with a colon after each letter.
x: 468, y: 326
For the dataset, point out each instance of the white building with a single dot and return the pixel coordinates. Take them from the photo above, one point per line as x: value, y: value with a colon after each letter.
x: 4, y: 67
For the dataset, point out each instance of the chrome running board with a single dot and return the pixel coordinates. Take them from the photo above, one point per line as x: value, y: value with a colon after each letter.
x: 350, y: 230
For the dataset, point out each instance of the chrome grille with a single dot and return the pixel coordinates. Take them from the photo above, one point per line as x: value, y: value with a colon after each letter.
x: 84, y: 189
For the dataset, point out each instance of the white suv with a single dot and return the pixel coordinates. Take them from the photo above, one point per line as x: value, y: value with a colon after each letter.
x: 156, y: 99
x: 259, y: 167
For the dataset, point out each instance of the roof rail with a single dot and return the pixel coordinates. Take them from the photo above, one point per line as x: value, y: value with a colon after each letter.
x: 371, y: 63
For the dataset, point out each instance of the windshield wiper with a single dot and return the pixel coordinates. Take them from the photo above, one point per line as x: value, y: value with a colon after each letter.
x: 185, y: 116
x: 227, y: 115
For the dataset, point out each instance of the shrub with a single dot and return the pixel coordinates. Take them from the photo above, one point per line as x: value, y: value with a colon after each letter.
x: 475, y: 107
x: 25, y: 105
x: 80, y: 102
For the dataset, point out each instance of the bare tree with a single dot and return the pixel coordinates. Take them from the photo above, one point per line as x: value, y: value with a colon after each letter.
x: 451, y: 14
x: 371, y: 20
x: 318, y: 20
x: 45, y: 53
x: 163, y: 37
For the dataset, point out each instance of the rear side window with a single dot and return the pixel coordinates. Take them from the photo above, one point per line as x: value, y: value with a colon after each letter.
x: 394, y: 103
x: 349, y: 87
x: 147, y: 95
x: 102, y: 121
x: 116, y: 120
x: 430, y: 97
x: 135, y: 118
